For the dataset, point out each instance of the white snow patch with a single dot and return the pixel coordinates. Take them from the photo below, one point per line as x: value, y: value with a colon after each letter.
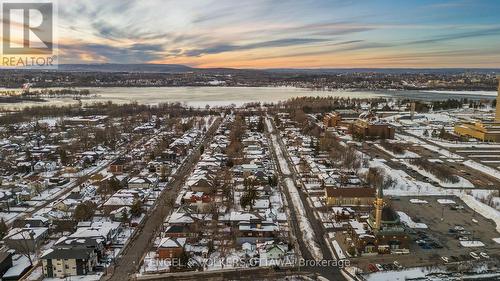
x: 409, y: 222
x: 418, y: 201
x: 445, y: 201
x: 469, y: 244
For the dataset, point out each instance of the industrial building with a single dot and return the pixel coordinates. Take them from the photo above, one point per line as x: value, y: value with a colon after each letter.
x: 481, y: 130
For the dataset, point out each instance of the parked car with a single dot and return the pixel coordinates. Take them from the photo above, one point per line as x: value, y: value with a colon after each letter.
x: 398, y: 265
x: 445, y: 259
x: 484, y: 255
x: 379, y: 267
x: 474, y: 255
x: 372, y: 267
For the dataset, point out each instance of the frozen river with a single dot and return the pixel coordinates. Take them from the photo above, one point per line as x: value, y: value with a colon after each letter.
x: 218, y: 96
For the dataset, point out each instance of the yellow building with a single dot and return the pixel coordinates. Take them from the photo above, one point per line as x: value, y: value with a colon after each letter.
x: 480, y: 130
x: 484, y: 131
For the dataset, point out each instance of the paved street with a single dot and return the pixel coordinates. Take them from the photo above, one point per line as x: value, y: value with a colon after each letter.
x: 256, y: 273
x: 141, y: 242
x: 332, y: 273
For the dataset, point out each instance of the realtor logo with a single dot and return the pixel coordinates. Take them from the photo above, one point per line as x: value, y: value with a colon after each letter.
x: 28, y: 37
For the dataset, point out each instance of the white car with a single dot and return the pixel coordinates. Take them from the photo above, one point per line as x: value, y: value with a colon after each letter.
x: 474, y: 255
x: 379, y: 267
x: 484, y: 255
x: 445, y: 259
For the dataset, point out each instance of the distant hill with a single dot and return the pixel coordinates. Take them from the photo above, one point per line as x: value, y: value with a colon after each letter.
x: 382, y: 70
x: 179, y: 68
x: 116, y: 67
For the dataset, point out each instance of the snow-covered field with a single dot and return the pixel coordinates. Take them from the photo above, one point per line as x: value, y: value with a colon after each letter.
x: 462, y: 183
x: 482, y: 168
x: 445, y: 153
x: 405, y: 155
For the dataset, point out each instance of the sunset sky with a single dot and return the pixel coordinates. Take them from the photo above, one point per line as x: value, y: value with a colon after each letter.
x: 282, y: 33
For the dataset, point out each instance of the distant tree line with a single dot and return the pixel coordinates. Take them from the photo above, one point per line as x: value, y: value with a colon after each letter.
x: 101, y: 108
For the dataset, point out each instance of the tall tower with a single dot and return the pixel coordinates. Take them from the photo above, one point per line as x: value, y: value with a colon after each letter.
x: 379, y: 205
x: 497, y: 114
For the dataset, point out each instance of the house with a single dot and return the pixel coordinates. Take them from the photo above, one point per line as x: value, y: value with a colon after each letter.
x: 122, y: 198
x: 26, y: 239
x: 121, y: 214
x: 255, y: 231
x: 106, y: 230
x: 199, y: 200
x: 178, y: 231
x: 202, y: 185
x: 20, y: 266
x: 45, y: 166
x: 273, y: 252
x: 142, y: 182
x: 117, y: 166
x: 5, y: 261
x: 66, y: 205
x: 36, y: 221
x: 186, y: 219
x: 169, y: 248
x: 64, y: 262
x: 94, y: 243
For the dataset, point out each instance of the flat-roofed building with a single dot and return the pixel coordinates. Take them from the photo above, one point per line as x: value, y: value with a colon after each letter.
x: 484, y: 131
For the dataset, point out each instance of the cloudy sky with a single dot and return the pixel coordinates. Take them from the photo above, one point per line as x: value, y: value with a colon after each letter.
x: 282, y: 33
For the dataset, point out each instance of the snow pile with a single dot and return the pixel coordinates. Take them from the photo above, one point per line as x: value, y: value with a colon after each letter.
x: 409, y: 222
x: 445, y: 201
x: 470, y: 244
x: 406, y: 274
x: 483, y: 209
x: 418, y: 201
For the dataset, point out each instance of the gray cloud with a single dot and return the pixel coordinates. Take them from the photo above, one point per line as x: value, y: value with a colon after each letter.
x: 266, y: 44
x: 137, y: 53
x: 464, y: 35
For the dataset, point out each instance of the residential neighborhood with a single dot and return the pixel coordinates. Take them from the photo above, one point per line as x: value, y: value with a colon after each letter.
x: 308, y: 188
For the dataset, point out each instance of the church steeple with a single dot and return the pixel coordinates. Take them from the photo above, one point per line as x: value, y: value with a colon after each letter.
x: 379, y: 206
x: 497, y: 114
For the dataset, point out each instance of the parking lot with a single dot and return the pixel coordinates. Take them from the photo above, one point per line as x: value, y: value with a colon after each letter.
x: 430, y: 245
